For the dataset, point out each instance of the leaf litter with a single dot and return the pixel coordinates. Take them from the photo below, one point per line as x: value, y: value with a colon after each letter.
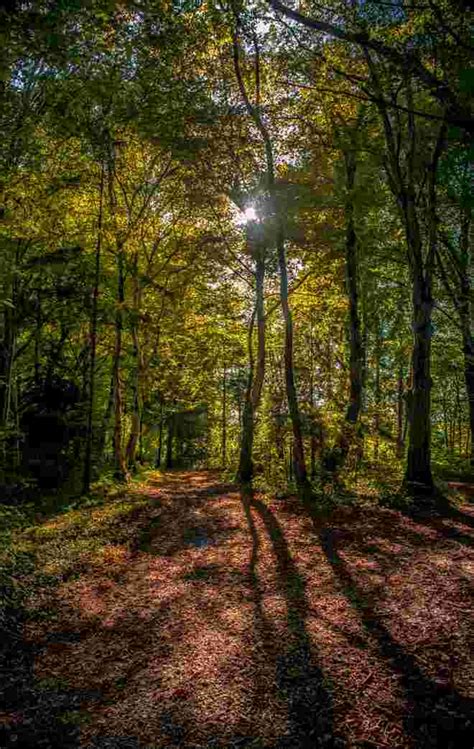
x: 198, y: 618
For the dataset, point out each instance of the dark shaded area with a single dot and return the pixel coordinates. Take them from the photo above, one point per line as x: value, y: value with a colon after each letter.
x: 50, y: 423
x: 298, y: 674
x: 40, y: 717
x: 437, y: 715
x: 438, y: 512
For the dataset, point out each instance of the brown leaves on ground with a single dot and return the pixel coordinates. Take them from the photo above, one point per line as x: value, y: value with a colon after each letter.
x: 227, y: 621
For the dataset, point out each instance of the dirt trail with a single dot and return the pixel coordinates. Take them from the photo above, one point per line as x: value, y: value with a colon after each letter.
x: 225, y: 621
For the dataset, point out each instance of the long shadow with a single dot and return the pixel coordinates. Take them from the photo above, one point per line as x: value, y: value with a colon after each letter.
x: 437, y: 716
x: 440, y: 508
x: 460, y: 517
x: 450, y: 533
x: 299, y: 678
x: 435, y: 515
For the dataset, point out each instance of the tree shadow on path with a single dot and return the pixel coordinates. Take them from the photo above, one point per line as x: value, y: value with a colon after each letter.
x: 437, y: 716
x: 299, y: 678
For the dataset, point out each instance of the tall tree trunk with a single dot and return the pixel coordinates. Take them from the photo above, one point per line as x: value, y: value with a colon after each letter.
x: 104, y: 430
x: 224, y: 415
x: 8, y: 342
x: 356, y: 357
x: 119, y: 458
x: 414, y: 184
x: 468, y: 350
x: 160, y: 439
x: 6, y: 363
x: 400, y: 393
x: 132, y: 445
x: 460, y: 292
x: 169, y: 442
x: 465, y: 315
x: 313, y: 442
x: 93, y: 343
x: 356, y: 348
x: 377, y: 389
x: 302, y: 482
x: 38, y: 329
x: 418, y: 474
x: 303, y: 485
x: 256, y: 376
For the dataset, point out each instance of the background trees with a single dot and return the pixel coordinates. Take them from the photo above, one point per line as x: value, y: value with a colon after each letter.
x: 168, y: 174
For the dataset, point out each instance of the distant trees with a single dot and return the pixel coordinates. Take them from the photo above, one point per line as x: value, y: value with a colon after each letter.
x: 330, y: 333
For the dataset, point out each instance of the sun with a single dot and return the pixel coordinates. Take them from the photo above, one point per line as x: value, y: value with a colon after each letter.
x: 246, y: 215
x: 250, y: 214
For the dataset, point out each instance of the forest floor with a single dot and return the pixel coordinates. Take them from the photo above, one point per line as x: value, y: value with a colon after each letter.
x: 184, y: 614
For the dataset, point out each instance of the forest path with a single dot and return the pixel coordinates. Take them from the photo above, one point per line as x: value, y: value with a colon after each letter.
x: 212, y: 619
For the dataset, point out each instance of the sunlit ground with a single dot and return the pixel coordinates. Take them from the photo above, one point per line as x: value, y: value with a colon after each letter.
x: 187, y: 618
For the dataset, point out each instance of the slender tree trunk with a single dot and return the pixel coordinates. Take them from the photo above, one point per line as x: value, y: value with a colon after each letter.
x: 256, y: 375
x: 410, y: 184
x: 356, y: 350
x: 465, y: 315
x: 39, y: 323
x: 418, y: 471
x: 329, y: 370
x: 460, y: 292
x: 9, y: 416
x: 5, y: 388
x: 6, y: 364
x: 132, y: 445
x: 119, y: 458
x: 160, y: 439
x: 459, y: 414
x: 445, y: 422
x: 104, y: 431
x: 224, y: 415
x: 356, y: 357
x: 304, y: 488
x: 93, y: 343
x: 377, y: 389
x: 400, y: 391
x: 418, y: 475
x: 312, y: 404
x: 468, y: 350
x: 169, y: 442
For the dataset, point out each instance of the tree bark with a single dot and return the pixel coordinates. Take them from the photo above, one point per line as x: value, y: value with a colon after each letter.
x: 400, y: 392
x: 256, y: 376
x: 356, y: 358
x: 160, y: 439
x: 132, y: 445
x: 169, y: 442
x: 313, y: 443
x: 303, y: 485
x: 418, y: 474
x: 377, y: 388
x: 93, y: 343
x: 465, y: 315
x: 411, y: 181
x: 119, y: 458
x: 224, y: 415
x: 460, y: 293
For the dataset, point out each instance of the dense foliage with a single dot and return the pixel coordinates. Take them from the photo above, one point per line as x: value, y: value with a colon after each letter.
x: 235, y: 235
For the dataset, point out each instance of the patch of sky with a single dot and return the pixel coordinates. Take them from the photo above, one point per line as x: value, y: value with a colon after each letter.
x: 378, y: 13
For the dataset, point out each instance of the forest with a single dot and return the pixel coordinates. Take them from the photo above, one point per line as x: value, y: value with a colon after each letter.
x: 236, y: 374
